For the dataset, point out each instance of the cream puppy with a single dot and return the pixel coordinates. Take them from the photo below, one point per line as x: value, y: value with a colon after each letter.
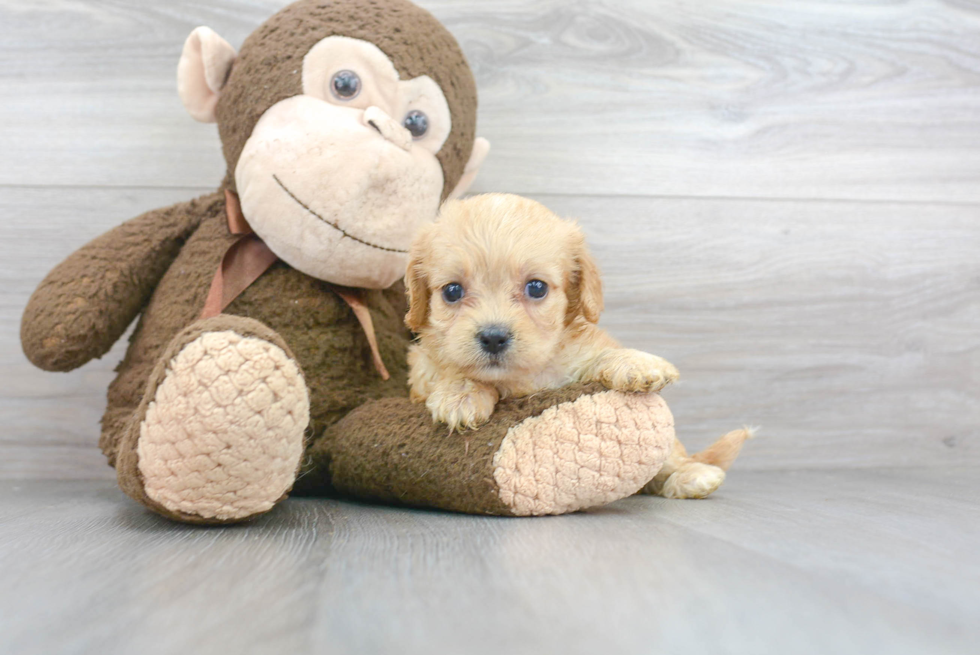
x: 505, y: 297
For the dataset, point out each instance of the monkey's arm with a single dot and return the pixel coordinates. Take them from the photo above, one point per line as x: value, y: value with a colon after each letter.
x: 85, y: 304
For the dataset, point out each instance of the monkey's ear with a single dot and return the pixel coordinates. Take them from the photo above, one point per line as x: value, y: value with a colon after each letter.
x: 417, y: 284
x: 202, y: 72
x: 585, y: 284
x: 480, y: 149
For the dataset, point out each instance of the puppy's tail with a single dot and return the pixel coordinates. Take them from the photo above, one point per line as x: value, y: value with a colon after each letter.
x: 724, y: 451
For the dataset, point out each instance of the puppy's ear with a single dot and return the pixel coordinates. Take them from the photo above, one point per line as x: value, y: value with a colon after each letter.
x: 585, y: 284
x: 417, y: 282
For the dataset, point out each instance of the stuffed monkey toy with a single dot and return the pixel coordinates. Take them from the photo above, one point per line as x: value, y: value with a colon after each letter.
x: 270, y: 350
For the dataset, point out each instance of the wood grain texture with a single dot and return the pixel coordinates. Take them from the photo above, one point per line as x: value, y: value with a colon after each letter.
x: 848, y: 331
x: 874, y: 99
x: 777, y: 562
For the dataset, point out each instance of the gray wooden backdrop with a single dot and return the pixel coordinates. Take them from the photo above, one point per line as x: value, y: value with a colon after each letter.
x: 784, y: 197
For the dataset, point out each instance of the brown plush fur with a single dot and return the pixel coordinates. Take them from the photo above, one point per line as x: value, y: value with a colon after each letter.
x: 161, y: 263
x: 269, y: 66
x: 158, y: 266
x: 319, y: 327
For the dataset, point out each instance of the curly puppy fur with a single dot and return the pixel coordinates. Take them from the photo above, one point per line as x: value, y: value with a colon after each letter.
x: 530, y: 298
x: 494, y: 336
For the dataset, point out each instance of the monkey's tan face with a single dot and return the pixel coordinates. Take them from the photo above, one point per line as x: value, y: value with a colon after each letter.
x: 338, y: 180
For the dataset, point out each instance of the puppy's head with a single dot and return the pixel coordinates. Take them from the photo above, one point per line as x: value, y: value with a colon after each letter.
x: 495, y: 282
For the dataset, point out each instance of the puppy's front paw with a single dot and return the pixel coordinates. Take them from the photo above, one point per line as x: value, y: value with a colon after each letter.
x: 462, y: 403
x: 634, y: 370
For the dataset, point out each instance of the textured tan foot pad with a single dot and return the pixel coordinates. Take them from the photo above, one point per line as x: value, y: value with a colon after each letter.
x: 585, y: 453
x: 223, y: 436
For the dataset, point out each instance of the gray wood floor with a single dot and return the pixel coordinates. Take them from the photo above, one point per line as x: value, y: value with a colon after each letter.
x: 882, y: 561
x: 785, y: 201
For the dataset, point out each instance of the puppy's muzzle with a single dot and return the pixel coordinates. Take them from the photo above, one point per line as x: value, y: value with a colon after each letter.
x: 494, y: 339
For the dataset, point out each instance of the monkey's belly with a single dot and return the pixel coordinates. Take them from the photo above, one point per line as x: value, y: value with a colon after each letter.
x: 327, y: 339
x: 319, y: 328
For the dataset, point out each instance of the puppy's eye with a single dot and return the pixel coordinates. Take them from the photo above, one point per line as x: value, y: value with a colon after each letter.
x: 345, y: 85
x: 452, y: 292
x: 536, y: 289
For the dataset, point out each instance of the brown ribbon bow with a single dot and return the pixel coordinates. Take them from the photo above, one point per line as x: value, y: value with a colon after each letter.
x: 248, y: 258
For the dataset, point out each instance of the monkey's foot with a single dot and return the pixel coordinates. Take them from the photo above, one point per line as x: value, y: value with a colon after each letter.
x: 220, y: 433
x: 585, y: 453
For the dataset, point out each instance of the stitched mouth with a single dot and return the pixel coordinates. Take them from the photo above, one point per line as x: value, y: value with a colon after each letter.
x: 334, y: 225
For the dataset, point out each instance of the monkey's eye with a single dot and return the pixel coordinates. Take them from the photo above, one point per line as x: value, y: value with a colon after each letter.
x: 452, y: 292
x: 417, y: 123
x: 536, y: 289
x: 345, y: 85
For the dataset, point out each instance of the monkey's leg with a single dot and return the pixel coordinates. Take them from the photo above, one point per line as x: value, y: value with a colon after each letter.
x: 551, y: 453
x: 219, y: 434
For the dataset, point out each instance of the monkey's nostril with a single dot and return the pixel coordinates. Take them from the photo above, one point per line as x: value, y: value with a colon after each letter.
x: 494, y: 339
x: 387, y: 127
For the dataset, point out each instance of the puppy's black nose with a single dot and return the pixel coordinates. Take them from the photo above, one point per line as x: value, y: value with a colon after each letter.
x: 494, y: 339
